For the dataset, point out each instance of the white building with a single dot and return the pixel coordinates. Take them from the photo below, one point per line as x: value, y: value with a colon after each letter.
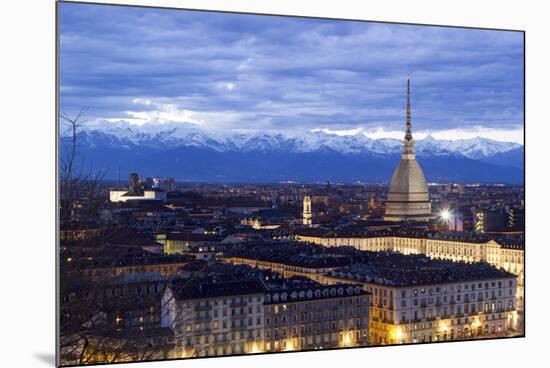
x: 148, y: 195
x: 215, y: 318
x: 479, y: 304
x: 306, y: 214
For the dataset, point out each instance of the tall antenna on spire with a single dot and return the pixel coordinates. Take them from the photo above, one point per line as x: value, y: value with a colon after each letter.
x: 408, y: 134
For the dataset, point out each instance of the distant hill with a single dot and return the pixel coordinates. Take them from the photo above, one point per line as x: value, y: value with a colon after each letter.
x: 513, y: 158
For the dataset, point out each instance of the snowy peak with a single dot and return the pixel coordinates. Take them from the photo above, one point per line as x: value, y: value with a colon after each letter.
x: 474, y: 148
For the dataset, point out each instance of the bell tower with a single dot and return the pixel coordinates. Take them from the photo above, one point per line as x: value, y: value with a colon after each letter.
x: 306, y: 211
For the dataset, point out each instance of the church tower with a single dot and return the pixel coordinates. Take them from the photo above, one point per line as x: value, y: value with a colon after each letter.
x: 408, y: 197
x: 306, y: 212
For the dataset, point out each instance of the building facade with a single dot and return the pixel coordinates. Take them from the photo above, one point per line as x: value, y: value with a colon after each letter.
x: 314, y: 272
x: 215, y: 319
x: 248, y: 316
x: 313, y: 318
x: 507, y: 257
x: 439, y: 311
x: 146, y: 195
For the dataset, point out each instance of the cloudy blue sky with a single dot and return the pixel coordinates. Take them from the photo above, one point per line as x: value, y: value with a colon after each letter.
x: 228, y: 72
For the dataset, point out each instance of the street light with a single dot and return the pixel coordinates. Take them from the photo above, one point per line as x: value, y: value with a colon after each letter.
x: 445, y: 215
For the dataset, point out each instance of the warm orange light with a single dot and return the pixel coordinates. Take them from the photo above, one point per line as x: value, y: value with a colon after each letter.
x: 347, y: 339
x: 398, y: 334
x: 255, y: 348
x: 291, y: 344
x: 444, y: 326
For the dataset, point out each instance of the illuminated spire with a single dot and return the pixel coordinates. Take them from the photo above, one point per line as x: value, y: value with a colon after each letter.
x: 408, y: 134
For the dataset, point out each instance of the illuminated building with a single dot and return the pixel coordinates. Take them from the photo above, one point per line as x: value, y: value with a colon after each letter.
x: 256, y: 223
x: 269, y: 313
x: 213, y: 318
x: 490, y: 219
x: 131, y: 301
x: 136, y: 193
x: 408, y: 197
x: 147, y: 195
x: 439, y: 305
x: 182, y: 242
x: 516, y: 218
x: 306, y: 214
x: 312, y: 317
x: 508, y: 257
x: 413, y: 302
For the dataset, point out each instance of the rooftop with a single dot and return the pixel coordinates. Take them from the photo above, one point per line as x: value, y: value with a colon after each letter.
x: 516, y: 241
x: 110, y: 256
x: 290, y: 253
x: 393, y: 269
x: 188, y: 236
x: 214, y: 288
x: 296, y: 293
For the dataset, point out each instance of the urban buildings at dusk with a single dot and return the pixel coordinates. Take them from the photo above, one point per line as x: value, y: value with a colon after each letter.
x: 270, y: 220
x: 191, y: 270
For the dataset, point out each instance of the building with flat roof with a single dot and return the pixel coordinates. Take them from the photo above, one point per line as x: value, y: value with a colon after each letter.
x: 211, y: 318
x: 263, y: 312
x: 136, y: 193
x: 415, y: 299
x: 313, y: 316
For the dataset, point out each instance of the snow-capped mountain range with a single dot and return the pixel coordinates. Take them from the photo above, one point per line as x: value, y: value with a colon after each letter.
x: 194, y: 154
x: 166, y: 136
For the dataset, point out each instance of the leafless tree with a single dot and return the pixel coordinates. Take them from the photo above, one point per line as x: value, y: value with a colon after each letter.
x: 79, y: 191
x: 86, y: 336
x: 136, y: 345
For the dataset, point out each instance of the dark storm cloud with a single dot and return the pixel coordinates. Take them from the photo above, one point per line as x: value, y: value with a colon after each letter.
x: 256, y: 72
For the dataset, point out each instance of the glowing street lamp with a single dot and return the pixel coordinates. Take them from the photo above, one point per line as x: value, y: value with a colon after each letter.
x: 445, y: 215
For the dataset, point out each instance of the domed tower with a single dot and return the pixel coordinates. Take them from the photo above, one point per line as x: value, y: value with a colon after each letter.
x: 408, y: 197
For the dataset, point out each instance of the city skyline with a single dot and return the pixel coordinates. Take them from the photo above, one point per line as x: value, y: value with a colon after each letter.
x: 225, y: 72
x: 257, y: 216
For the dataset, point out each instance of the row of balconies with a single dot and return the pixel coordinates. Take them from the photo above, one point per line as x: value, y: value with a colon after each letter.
x: 450, y: 302
x: 223, y: 341
x: 237, y: 316
x: 444, y: 316
x: 237, y: 304
x: 199, y: 308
